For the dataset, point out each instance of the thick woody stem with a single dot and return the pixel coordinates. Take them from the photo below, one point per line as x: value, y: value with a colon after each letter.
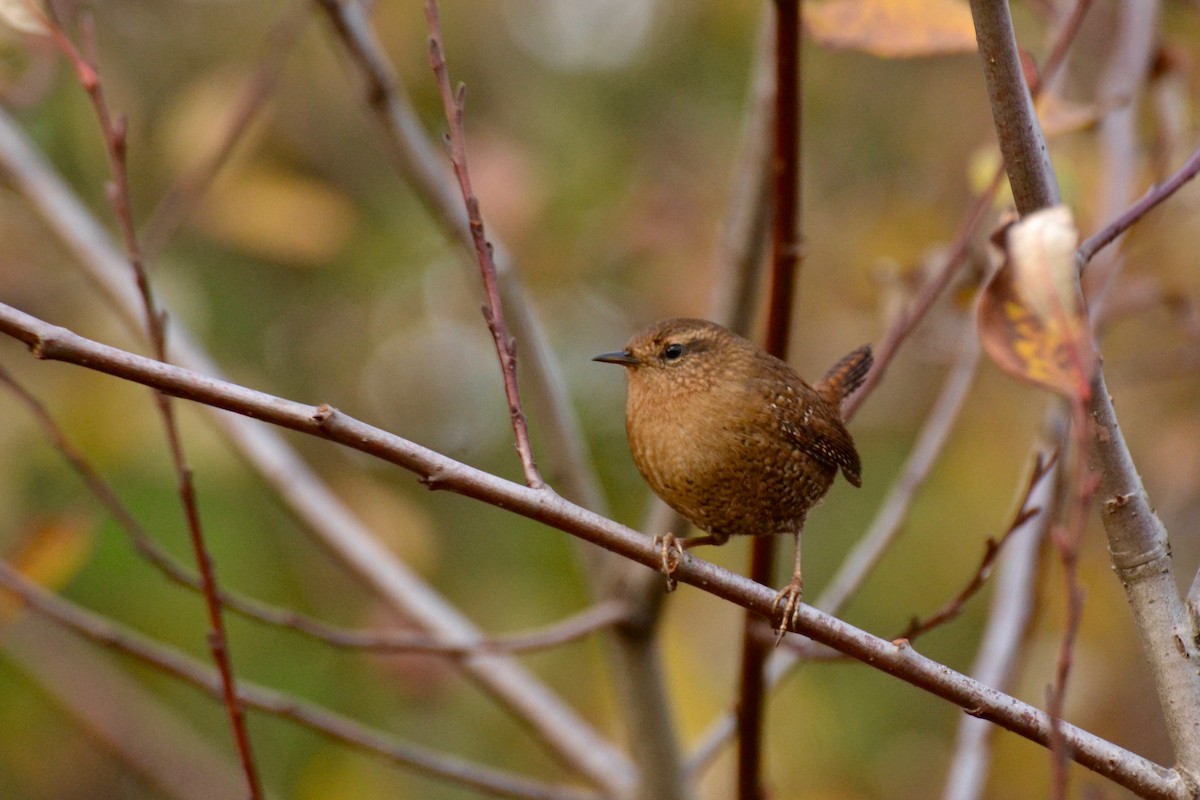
x: 1137, y: 540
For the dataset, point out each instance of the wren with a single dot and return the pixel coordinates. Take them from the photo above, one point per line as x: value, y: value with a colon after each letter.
x: 732, y: 438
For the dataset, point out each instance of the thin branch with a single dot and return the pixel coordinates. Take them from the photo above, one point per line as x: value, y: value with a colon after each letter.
x: 115, y: 134
x: 786, y: 257
x: 327, y: 723
x: 1026, y: 512
x: 439, y: 472
x: 493, y: 308
x: 1000, y: 648
x: 556, y: 725
x: 1067, y: 538
x: 1154, y: 197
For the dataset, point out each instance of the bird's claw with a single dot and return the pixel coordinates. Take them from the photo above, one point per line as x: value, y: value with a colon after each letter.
x: 670, y: 552
x: 789, y: 598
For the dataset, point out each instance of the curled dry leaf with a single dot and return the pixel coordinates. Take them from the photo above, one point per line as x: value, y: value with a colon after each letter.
x: 1031, y: 317
x: 26, y: 16
x: 892, y: 28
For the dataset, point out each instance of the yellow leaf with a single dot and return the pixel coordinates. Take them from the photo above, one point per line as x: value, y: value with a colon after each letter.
x: 1031, y: 317
x: 892, y: 28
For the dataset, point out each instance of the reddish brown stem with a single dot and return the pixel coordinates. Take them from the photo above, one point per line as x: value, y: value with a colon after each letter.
x: 493, y: 309
x: 992, y: 550
x: 115, y: 132
x: 786, y: 255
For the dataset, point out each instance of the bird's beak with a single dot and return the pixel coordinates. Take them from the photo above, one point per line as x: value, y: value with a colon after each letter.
x: 623, y: 357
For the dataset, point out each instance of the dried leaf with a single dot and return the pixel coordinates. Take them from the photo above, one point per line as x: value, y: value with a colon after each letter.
x: 25, y: 16
x: 892, y: 28
x: 1031, y: 317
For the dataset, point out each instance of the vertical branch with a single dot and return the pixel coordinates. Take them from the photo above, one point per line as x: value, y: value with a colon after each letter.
x: 1137, y: 540
x: 493, y: 310
x: 785, y: 262
x: 1026, y: 158
x: 115, y: 132
x: 786, y: 244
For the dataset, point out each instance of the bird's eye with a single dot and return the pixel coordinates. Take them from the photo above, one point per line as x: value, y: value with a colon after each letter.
x: 672, y: 352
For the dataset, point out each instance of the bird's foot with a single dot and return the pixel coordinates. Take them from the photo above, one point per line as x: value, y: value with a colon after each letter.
x: 788, y: 600
x: 670, y: 552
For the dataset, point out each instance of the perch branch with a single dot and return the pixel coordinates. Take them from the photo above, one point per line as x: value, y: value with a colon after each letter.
x: 436, y: 471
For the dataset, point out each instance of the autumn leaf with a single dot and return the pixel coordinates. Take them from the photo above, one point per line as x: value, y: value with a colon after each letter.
x: 892, y: 28
x: 1031, y: 317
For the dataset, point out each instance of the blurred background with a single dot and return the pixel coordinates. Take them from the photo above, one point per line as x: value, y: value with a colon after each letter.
x: 603, y: 141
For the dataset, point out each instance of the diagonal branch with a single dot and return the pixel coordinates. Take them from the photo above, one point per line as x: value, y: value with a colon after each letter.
x: 439, y: 472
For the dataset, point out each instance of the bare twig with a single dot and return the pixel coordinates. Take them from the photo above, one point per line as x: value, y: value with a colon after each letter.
x: 439, y: 472
x: 1151, y: 200
x: 309, y: 715
x: 493, y: 309
x: 114, y: 131
x: 1000, y: 649
x: 786, y: 257
x: 1026, y: 511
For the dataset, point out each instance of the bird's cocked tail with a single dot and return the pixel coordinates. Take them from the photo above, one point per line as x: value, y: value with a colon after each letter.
x: 845, y: 376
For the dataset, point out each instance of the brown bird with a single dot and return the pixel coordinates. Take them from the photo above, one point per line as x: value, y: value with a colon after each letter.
x: 732, y: 438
